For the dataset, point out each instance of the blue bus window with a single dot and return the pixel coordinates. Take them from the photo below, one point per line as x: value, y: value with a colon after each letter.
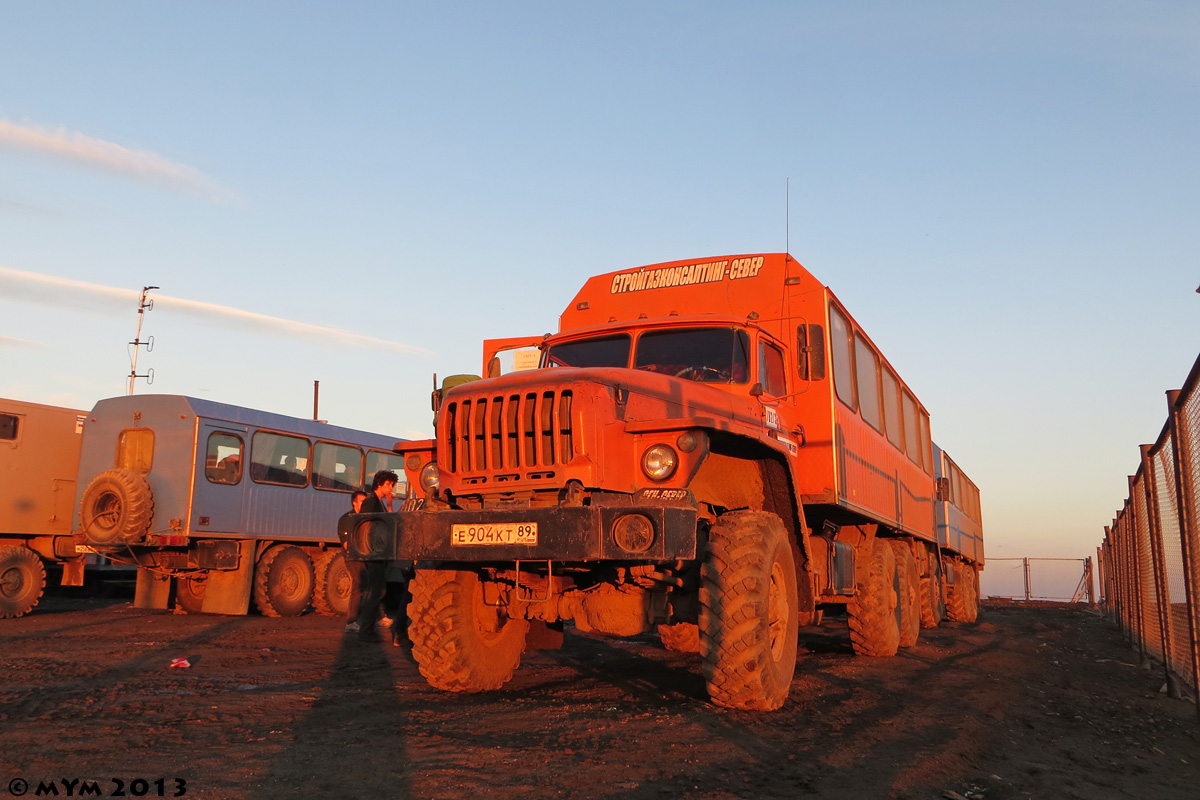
x: 223, y: 461
x: 337, y: 467
x: 279, y: 459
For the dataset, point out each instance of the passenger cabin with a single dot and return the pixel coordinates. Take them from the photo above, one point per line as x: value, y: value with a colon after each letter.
x: 959, y: 517
x: 220, y: 471
x: 857, y: 436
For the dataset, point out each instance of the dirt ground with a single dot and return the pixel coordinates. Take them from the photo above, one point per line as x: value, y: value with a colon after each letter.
x: 1031, y: 702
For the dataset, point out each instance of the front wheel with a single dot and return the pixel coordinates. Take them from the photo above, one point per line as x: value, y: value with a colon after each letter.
x: 22, y: 581
x: 748, y: 611
x: 462, y: 642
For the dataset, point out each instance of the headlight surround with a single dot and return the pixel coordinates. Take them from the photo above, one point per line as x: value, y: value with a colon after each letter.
x: 659, y: 462
x: 429, y: 478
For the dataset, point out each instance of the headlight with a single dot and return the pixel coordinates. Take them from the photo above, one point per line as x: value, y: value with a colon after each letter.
x: 429, y: 478
x: 659, y: 462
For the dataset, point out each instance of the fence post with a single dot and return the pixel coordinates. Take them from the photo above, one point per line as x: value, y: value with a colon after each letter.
x: 1181, y: 447
x: 1158, y: 564
x: 1089, y: 588
x: 1025, y: 567
x: 1138, y: 567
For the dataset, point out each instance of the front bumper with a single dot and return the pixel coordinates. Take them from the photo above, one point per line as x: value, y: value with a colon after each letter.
x: 565, y: 533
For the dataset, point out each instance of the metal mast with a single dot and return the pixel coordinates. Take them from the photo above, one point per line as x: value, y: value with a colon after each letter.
x: 144, y: 305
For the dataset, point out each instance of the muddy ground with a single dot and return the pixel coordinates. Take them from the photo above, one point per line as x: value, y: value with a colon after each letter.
x: 1031, y: 702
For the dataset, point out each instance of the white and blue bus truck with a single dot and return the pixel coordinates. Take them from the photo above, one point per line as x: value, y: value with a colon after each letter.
x: 216, y: 504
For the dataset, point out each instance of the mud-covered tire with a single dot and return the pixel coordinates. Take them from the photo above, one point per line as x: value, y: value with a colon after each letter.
x: 909, y: 596
x: 933, y: 610
x: 331, y: 597
x: 117, y: 508
x: 960, y: 607
x: 189, y: 592
x: 872, y: 612
x: 284, y: 581
x: 971, y: 578
x: 748, y: 611
x: 22, y: 580
x: 461, y: 643
x: 680, y: 637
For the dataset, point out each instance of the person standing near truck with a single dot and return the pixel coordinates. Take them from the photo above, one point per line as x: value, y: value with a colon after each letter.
x: 356, y: 501
x: 373, y: 574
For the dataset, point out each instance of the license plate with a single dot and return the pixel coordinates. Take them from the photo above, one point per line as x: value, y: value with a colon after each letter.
x: 494, y: 533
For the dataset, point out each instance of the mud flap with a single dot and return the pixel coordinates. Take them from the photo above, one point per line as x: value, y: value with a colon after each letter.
x: 153, y: 589
x: 72, y: 572
x: 228, y: 591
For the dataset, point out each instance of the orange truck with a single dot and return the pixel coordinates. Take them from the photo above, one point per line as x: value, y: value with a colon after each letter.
x: 711, y: 449
x: 39, y: 458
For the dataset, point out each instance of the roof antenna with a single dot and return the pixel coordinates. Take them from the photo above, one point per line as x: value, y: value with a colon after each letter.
x: 144, y: 305
x: 787, y: 215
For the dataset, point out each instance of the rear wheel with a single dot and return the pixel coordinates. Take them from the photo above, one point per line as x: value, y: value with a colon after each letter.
x: 910, y: 593
x: 283, y: 581
x: 189, y: 592
x: 748, y: 611
x: 332, y: 594
x: 460, y: 642
x: 960, y: 606
x: 680, y: 637
x: 933, y: 610
x: 22, y: 580
x: 872, y: 612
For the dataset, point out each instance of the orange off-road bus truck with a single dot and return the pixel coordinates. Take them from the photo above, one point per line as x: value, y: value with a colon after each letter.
x: 713, y: 449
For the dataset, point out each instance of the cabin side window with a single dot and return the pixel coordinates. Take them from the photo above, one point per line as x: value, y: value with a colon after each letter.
x: 925, y: 444
x: 771, y: 369
x: 843, y: 358
x: 223, y: 459
x: 891, y: 409
x: 275, y: 458
x: 867, y: 370
x: 337, y: 467
x: 10, y: 426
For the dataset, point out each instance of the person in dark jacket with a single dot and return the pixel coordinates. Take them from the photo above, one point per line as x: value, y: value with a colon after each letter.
x: 373, y: 574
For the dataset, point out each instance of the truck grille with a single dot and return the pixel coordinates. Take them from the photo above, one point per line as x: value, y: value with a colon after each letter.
x: 511, y: 433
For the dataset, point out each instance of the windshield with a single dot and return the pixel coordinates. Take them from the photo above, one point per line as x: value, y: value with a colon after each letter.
x: 709, y: 355
x: 607, y: 351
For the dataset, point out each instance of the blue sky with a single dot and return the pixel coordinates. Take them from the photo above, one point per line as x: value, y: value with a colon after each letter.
x: 1003, y: 195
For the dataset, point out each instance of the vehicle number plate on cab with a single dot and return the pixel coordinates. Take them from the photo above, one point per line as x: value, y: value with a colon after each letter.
x: 501, y: 533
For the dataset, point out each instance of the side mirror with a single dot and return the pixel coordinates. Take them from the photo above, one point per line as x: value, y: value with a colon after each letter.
x: 756, y: 390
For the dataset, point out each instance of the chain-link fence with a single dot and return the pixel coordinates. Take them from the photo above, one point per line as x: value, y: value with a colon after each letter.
x: 1068, y: 580
x: 1149, y: 559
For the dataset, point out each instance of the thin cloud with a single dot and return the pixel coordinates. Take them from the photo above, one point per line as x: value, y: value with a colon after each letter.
x: 13, y: 341
x: 142, y: 166
x: 64, y: 292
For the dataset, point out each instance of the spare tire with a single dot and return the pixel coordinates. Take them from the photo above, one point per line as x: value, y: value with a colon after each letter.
x: 117, y: 508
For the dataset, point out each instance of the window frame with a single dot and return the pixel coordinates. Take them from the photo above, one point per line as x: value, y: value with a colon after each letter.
x: 315, y: 462
x: 263, y: 480
x: 209, y: 471
x: 840, y: 375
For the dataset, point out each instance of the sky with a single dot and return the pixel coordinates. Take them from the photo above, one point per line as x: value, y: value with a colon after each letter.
x: 1003, y: 195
